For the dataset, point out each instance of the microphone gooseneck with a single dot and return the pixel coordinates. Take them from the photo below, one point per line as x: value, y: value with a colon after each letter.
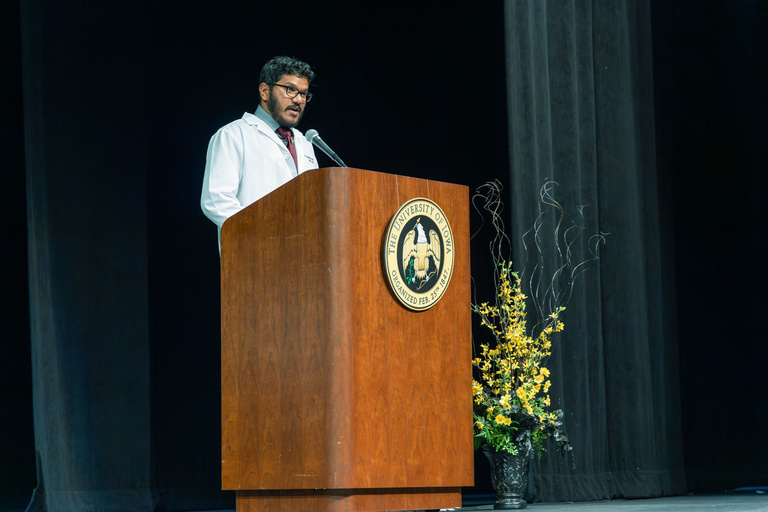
x: 313, y: 137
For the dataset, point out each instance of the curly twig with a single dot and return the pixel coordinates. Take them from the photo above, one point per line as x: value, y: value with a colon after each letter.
x: 548, y: 293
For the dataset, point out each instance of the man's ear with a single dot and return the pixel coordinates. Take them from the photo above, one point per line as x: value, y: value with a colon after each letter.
x: 264, y: 91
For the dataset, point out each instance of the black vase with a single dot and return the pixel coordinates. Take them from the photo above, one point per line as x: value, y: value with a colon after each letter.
x: 509, y: 477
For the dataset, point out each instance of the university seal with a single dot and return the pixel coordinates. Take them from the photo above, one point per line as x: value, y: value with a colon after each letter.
x: 418, y: 254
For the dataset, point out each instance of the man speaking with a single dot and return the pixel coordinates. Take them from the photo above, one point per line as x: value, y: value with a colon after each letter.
x: 251, y: 157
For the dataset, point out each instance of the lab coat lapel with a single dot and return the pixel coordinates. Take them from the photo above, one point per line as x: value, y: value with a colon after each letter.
x: 263, y: 128
x: 301, y: 156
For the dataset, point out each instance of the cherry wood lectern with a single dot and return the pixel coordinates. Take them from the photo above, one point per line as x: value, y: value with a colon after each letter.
x: 335, y: 396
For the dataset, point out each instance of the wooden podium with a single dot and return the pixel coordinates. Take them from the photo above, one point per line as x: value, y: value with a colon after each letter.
x: 336, y: 397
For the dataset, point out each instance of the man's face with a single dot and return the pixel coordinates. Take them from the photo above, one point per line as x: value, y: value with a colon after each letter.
x: 286, y: 111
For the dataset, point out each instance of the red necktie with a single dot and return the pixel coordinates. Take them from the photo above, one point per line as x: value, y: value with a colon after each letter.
x: 288, y: 135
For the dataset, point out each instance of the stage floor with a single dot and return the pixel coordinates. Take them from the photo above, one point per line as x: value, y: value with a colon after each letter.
x: 732, y: 502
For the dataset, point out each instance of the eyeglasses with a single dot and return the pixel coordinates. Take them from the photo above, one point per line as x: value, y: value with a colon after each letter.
x: 292, y: 92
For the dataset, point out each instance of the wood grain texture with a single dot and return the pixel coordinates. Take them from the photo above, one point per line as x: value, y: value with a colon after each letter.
x: 328, y: 382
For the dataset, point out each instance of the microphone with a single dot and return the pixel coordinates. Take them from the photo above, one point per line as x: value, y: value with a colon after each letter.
x: 313, y: 137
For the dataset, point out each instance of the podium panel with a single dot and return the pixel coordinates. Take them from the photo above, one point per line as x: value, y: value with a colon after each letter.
x: 334, y: 395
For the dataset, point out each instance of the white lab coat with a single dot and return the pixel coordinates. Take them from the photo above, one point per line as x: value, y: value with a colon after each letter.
x: 246, y: 160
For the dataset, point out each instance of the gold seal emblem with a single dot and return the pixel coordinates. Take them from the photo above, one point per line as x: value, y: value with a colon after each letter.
x: 418, y: 254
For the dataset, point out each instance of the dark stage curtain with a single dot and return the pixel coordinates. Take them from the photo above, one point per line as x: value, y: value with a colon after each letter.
x: 86, y: 203
x: 581, y: 113
x: 125, y: 381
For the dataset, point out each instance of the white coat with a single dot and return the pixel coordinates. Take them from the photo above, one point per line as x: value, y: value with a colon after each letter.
x: 246, y: 160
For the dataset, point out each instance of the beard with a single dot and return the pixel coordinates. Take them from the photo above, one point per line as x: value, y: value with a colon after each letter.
x: 276, y: 111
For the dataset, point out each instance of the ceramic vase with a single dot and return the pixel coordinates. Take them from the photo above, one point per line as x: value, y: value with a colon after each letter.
x: 509, y: 477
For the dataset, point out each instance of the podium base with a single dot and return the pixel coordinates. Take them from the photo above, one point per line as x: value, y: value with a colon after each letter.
x: 349, y: 500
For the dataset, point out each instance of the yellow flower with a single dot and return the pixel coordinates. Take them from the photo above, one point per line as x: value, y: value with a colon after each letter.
x: 477, y: 388
x: 502, y: 420
x: 505, y: 402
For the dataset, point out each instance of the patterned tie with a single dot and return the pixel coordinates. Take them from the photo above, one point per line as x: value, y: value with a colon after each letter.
x: 288, y: 136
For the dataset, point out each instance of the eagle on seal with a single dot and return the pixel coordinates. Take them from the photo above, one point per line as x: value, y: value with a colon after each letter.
x: 420, y: 250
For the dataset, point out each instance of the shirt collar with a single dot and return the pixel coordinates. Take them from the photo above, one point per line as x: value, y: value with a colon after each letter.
x: 264, y: 116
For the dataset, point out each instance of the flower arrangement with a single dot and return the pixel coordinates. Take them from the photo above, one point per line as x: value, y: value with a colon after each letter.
x: 511, y: 404
x: 512, y: 407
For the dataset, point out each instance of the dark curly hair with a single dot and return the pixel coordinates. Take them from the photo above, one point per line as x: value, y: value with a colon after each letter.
x: 279, y: 66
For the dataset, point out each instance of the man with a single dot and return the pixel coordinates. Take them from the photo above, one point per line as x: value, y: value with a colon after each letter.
x: 250, y: 157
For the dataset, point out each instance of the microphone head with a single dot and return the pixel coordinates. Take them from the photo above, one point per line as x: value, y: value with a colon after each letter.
x: 311, y: 135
